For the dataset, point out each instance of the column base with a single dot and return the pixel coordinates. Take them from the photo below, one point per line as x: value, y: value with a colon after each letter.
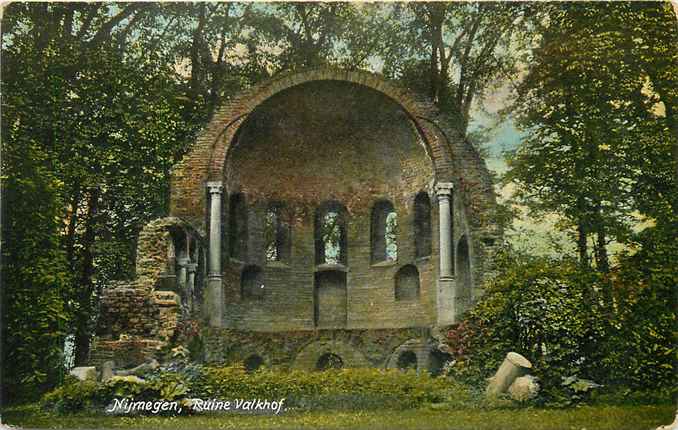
x: 215, y: 301
x: 447, y: 299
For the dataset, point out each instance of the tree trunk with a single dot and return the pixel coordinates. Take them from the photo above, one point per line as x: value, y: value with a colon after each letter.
x: 197, y: 68
x: 581, y: 245
x: 602, y: 260
x: 72, y: 224
x: 85, y: 286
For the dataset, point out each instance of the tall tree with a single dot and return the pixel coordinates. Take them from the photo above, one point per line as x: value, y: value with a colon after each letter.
x: 593, y: 125
x: 455, y: 52
x: 105, y: 114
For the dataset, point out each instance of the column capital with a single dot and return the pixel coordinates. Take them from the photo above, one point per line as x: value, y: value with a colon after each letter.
x: 215, y: 187
x: 444, y: 189
x: 192, y: 267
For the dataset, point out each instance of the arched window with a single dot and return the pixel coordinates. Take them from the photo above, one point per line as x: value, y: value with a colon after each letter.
x: 252, y: 283
x: 407, y: 360
x: 237, y: 228
x: 384, y: 232
x: 330, y: 234
x: 422, y: 224
x: 277, y: 233
x: 329, y: 361
x: 407, y: 283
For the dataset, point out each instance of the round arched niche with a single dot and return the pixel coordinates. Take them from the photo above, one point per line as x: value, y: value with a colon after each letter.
x: 253, y: 362
x: 413, y: 354
x: 407, y: 283
x: 464, y: 277
x: 252, y: 287
x: 329, y: 360
x: 325, y: 140
x: 407, y: 360
x: 328, y: 352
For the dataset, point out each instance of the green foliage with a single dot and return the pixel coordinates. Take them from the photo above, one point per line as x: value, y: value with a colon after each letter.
x: 552, y: 312
x: 359, y: 387
x: 598, y: 146
x: 337, y: 389
x: 34, y: 272
x: 90, y: 131
x: 73, y: 396
x: 540, y: 308
x: 642, y: 341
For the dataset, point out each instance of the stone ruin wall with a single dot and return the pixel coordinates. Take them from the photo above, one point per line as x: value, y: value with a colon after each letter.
x: 138, y: 319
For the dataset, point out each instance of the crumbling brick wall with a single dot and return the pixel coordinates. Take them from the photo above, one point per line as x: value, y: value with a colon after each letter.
x: 138, y: 314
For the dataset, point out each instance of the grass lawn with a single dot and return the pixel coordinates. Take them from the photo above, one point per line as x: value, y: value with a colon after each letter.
x: 643, y: 417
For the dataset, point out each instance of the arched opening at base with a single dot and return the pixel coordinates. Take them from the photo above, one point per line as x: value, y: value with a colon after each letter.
x: 253, y: 363
x: 329, y: 360
x: 407, y: 360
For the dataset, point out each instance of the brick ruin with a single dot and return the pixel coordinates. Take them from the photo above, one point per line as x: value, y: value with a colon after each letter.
x: 323, y: 218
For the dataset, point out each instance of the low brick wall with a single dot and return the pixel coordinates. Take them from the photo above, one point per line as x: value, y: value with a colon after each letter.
x: 301, y: 349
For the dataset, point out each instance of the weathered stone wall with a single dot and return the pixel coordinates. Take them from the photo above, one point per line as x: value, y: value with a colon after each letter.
x: 452, y: 155
x: 453, y: 159
x: 301, y: 349
x: 305, y: 138
x: 312, y: 143
x: 125, y: 352
x: 128, y: 311
x: 140, y: 314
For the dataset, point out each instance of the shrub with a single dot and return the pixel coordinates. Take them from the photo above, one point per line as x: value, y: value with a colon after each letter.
x: 72, y: 396
x: 642, y: 342
x: 542, y: 309
x: 331, y: 389
x: 554, y: 312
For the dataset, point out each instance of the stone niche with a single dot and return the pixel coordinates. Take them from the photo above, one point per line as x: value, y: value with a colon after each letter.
x: 347, y: 164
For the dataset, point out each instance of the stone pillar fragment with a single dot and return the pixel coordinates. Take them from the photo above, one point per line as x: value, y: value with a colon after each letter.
x: 214, y: 299
x: 171, y: 256
x: 182, y: 277
x: 444, y: 192
x: 514, y: 366
x: 190, y: 285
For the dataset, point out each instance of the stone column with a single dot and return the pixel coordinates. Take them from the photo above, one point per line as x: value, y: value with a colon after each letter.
x: 190, y: 285
x: 214, y: 297
x: 444, y: 191
x: 171, y: 256
x: 183, y: 274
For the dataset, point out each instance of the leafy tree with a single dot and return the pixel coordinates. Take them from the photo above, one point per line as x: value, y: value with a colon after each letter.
x: 592, y: 127
x: 455, y: 52
x: 104, y: 114
x: 35, y: 275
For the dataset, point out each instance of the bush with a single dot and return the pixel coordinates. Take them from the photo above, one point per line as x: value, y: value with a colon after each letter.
x: 331, y: 389
x: 554, y: 312
x: 73, y: 396
x: 642, y: 342
x: 540, y: 308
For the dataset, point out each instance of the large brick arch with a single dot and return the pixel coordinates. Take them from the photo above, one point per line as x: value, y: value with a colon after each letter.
x: 453, y: 158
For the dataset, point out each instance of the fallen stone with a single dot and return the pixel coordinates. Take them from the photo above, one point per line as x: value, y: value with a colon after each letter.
x: 524, y: 388
x: 107, y: 370
x: 140, y: 370
x: 87, y: 373
x: 127, y: 378
x: 514, y: 366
